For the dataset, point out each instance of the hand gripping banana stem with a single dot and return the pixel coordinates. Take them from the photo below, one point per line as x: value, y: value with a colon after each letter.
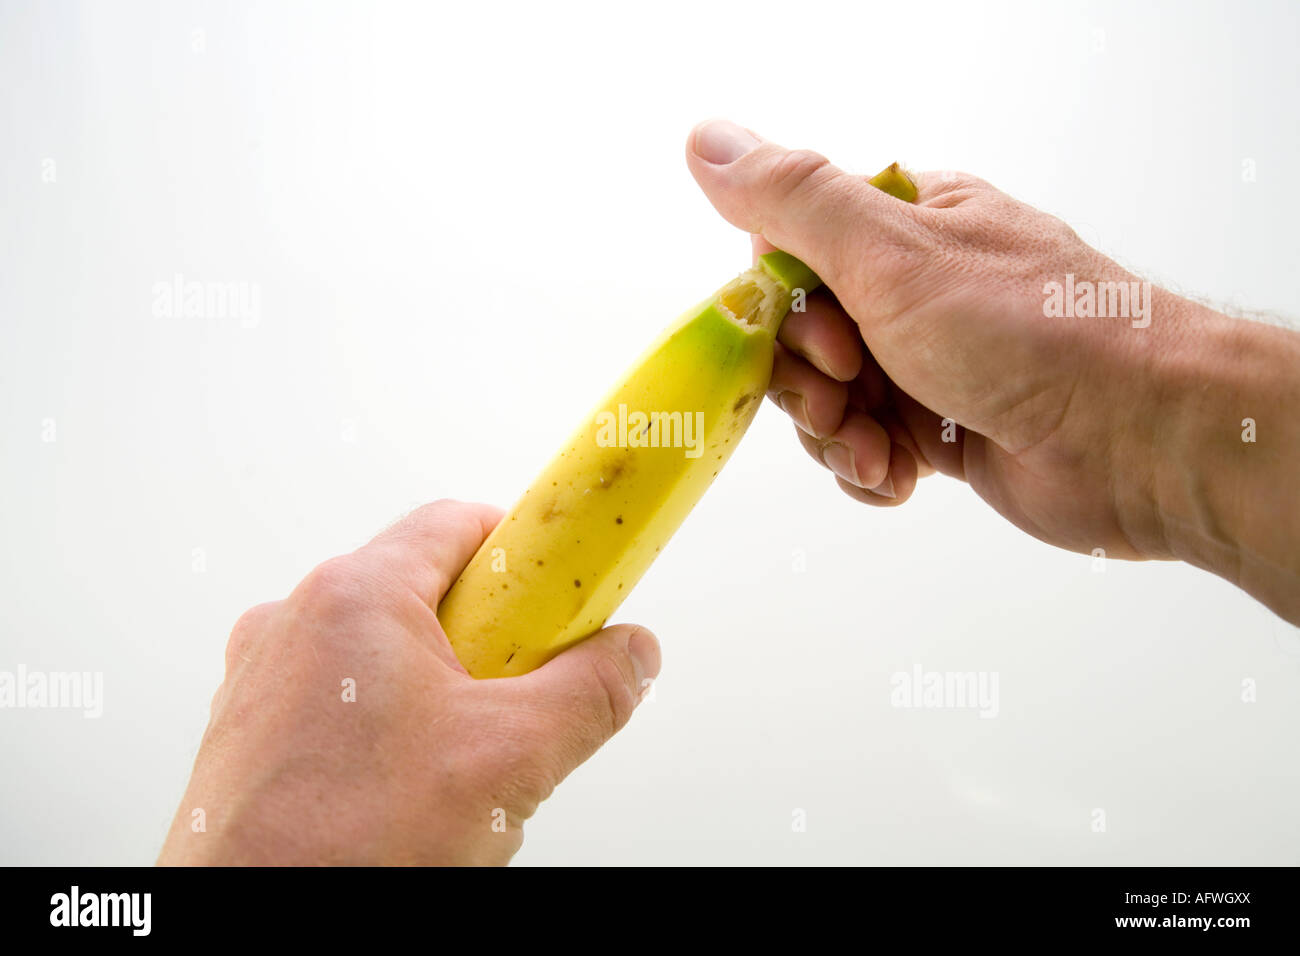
x: 569, y: 551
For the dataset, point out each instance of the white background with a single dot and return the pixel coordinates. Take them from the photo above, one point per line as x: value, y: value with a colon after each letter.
x: 464, y: 220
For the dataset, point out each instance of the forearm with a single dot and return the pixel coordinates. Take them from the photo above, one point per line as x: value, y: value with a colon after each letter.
x: 1227, y: 484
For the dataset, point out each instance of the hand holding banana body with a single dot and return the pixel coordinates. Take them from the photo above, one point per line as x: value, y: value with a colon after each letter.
x: 585, y: 531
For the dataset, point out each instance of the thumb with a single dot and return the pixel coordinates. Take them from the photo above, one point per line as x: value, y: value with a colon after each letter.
x: 797, y: 201
x: 581, y: 698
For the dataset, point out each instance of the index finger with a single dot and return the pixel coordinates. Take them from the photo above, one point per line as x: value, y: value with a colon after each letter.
x: 429, y: 547
x: 820, y: 332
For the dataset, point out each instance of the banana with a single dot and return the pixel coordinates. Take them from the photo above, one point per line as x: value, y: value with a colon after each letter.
x: 586, y: 530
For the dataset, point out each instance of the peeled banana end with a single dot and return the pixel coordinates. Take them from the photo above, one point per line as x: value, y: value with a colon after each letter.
x: 755, y: 299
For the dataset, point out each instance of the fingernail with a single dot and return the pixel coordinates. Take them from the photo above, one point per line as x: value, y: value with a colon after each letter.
x: 721, y: 142
x: 819, y: 362
x: 839, y: 459
x: 644, y: 651
x: 885, y: 489
x: 796, y: 406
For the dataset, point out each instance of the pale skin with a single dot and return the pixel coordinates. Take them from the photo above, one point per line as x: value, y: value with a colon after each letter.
x: 1086, y: 432
x: 426, y: 765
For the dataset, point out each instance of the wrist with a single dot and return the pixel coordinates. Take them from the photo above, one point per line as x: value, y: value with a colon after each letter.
x: 1226, y: 463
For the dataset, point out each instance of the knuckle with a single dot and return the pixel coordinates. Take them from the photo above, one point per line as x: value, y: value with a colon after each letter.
x: 237, y: 648
x: 253, y: 619
x: 1060, y: 232
x: 243, y: 636
x: 215, y: 704
x: 615, y: 677
x: 445, y: 517
x: 330, y: 584
x: 434, y: 510
x: 412, y: 520
x: 796, y: 172
x: 952, y: 188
